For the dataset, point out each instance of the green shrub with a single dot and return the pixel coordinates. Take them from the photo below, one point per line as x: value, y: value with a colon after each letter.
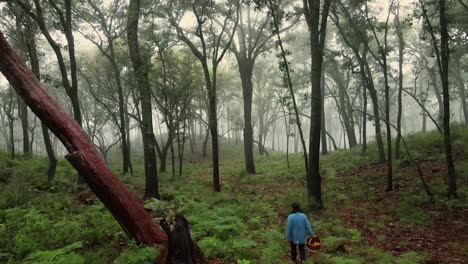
x: 137, y: 255
x: 211, y: 246
x: 344, y: 260
x: 272, y: 253
x: 58, y: 256
x: 16, y: 193
x: 99, y: 225
x: 375, y: 255
x: 242, y: 247
x: 410, y: 258
x: 30, y: 229
x: 356, y: 236
x: 409, y: 211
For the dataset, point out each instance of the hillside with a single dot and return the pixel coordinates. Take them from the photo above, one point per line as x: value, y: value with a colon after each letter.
x: 62, y: 222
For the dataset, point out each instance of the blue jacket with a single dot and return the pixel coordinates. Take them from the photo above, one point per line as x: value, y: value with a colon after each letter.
x: 298, y: 228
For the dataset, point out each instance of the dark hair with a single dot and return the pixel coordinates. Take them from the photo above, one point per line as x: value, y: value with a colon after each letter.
x: 296, y: 208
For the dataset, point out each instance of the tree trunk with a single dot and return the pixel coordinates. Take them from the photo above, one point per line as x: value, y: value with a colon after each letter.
x: 389, y: 129
x: 192, y: 135
x: 315, y: 180
x: 23, y: 114
x: 287, y: 127
x: 126, y: 209
x: 259, y: 143
x: 141, y: 76
x: 213, y: 122
x: 401, y: 46
x: 34, y: 59
x: 122, y: 110
x: 205, y: 142
x: 171, y: 146
x: 181, y: 249
x: 180, y: 147
x: 293, y: 97
x: 348, y: 124
x: 163, y: 160
x: 335, y: 147
x: 444, y: 75
x: 364, y: 120
x: 68, y: 30
x: 50, y: 152
x: 323, y: 128
x: 273, y: 137
x: 461, y: 91
x: 424, y: 120
x: 70, y: 89
x: 440, y: 103
x: 247, y: 91
x: 375, y: 104
x: 11, y: 125
x: 129, y: 145
x: 296, y: 140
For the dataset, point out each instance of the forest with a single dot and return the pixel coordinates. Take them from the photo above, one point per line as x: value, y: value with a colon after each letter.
x: 184, y: 132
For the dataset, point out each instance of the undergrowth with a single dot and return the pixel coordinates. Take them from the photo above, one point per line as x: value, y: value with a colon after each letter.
x: 44, y: 222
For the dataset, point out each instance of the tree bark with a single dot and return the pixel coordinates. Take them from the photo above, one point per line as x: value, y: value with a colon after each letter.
x: 335, y: 147
x: 140, y: 69
x: 213, y: 123
x: 364, y: 119
x: 317, y: 33
x: 444, y: 75
x: 323, y: 128
x: 247, y: 92
x: 122, y: 111
x: 461, y: 89
x: 34, y: 59
x: 11, y: 124
x: 440, y: 101
x: 401, y: 47
x: 205, y: 142
x: 23, y: 114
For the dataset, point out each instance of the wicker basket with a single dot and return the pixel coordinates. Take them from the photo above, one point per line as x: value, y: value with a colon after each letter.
x: 313, y: 243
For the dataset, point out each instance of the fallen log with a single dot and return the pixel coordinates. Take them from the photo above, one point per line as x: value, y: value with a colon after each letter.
x: 124, y: 206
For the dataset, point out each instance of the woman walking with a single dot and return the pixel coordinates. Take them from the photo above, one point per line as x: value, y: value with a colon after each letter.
x: 297, y: 229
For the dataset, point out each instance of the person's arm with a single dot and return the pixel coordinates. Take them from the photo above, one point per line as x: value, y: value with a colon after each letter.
x: 288, y: 231
x: 308, y: 227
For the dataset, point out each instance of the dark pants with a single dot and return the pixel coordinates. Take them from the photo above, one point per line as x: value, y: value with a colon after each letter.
x: 294, y: 251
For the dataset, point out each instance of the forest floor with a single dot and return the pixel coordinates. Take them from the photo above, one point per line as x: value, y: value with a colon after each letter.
x: 61, y: 222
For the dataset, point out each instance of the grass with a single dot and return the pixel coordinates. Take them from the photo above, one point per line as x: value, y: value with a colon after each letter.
x: 43, y: 222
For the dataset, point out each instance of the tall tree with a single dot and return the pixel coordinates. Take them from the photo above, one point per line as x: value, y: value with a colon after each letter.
x: 342, y: 81
x: 215, y: 38
x: 108, y: 25
x: 353, y: 34
x: 140, y: 65
x: 442, y: 49
x: 401, y: 48
x: 63, y: 12
x: 381, y: 58
x: 7, y: 103
x: 34, y: 60
x: 316, y: 14
x: 253, y: 39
